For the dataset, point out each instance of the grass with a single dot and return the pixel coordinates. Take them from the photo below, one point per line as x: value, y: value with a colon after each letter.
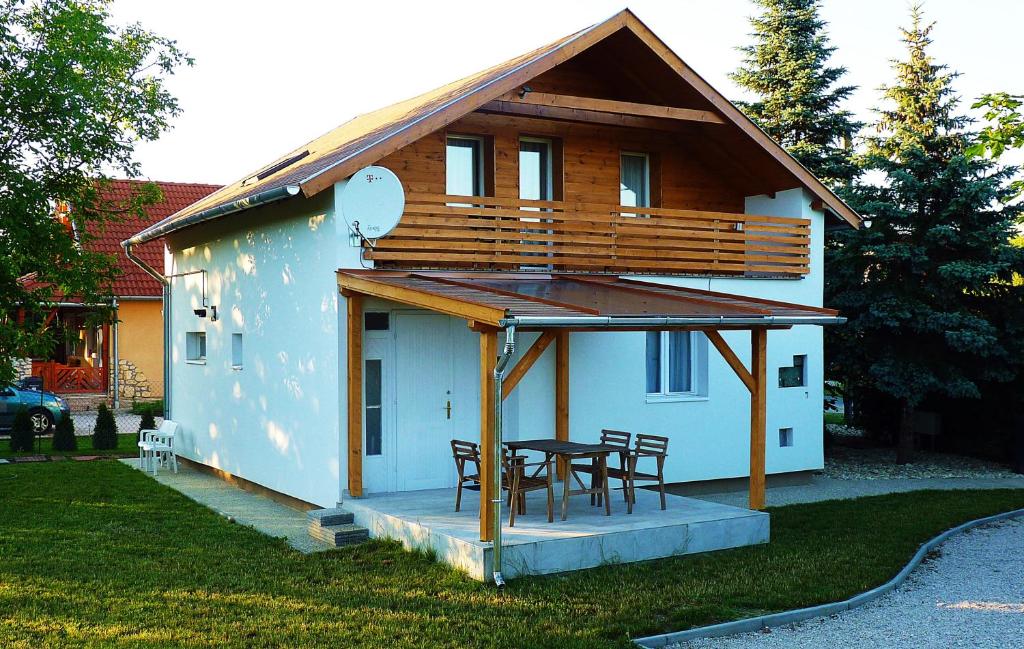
x: 96, y: 553
x: 126, y: 445
x: 835, y: 418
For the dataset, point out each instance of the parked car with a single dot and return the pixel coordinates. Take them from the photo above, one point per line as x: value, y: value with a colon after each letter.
x: 44, y: 408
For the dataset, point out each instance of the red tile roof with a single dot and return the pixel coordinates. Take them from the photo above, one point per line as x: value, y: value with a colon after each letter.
x: 133, y: 281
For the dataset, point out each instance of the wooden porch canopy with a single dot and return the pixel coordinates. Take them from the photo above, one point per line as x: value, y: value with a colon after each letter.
x: 557, y: 304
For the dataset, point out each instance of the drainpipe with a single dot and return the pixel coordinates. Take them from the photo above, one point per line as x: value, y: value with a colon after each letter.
x: 115, y: 365
x: 499, y: 375
x: 166, y: 284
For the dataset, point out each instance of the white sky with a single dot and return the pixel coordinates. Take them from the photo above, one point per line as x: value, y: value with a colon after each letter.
x: 270, y: 76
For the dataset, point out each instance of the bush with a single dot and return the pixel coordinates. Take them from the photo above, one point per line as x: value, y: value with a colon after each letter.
x: 104, y: 435
x: 22, y: 436
x: 64, y: 435
x: 156, y: 408
x: 148, y: 422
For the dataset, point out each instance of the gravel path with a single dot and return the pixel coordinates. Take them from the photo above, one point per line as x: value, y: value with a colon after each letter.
x: 825, y: 488
x: 971, y: 595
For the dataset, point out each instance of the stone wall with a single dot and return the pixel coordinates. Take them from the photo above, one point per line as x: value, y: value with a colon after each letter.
x: 22, y: 368
x: 131, y: 382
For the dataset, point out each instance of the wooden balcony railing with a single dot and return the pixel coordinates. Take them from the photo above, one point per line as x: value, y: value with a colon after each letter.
x: 476, y: 232
x: 64, y: 379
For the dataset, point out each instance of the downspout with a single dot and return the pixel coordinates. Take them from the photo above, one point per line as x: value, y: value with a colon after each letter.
x: 116, y: 364
x: 166, y: 284
x: 499, y: 375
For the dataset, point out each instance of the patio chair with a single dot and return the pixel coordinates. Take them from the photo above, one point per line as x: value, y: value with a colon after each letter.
x: 620, y: 440
x: 518, y: 483
x: 653, y: 446
x: 466, y: 453
x: 156, y: 446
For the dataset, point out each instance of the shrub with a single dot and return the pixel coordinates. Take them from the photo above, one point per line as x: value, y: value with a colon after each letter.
x: 22, y: 436
x: 148, y: 422
x: 104, y: 435
x: 154, y: 407
x: 64, y: 435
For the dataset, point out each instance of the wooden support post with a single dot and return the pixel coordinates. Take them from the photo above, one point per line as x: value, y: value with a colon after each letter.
x: 488, y: 359
x: 354, y: 362
x: 758, y: 414
x: 525, y: 363
x: 562, y: 393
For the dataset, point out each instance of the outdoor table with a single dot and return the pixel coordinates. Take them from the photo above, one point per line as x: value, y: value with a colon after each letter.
x: 566, y: 452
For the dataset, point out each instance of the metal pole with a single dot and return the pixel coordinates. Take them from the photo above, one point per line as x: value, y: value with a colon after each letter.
x: 499, y: 374
x: 116, y: 362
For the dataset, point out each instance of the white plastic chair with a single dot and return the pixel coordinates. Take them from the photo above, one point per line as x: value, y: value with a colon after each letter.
x: 156, y: 447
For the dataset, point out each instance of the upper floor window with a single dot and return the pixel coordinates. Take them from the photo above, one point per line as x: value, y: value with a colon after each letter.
x: 535, y: 169
x: 635, y: 179
x: 671, y: 363
x: 464, y: 166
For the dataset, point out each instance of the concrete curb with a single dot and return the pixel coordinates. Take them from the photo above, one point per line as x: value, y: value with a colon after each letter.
x: 749, y: 625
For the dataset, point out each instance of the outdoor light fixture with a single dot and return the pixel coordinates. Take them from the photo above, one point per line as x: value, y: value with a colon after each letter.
x: 866, y: 223
x: 200, y: 313
x: 524, y: 90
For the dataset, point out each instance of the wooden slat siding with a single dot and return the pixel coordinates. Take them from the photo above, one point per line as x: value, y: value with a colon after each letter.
x: 499, y: 233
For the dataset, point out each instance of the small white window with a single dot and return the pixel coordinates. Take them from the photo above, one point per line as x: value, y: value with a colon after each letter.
x: 372, y: 413
x: 785, y: 437
x: 464, y: 166
x: 195, y: 346
x: 236, y: 351
x: 635, y: 180
x: 671, y: 363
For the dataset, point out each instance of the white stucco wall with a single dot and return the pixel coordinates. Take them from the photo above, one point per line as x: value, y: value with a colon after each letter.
x: 275, y: 421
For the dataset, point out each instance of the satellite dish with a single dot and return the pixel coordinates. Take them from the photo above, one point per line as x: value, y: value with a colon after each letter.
x: 372, y: 202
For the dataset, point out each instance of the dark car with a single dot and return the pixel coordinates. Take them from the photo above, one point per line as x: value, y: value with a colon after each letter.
x: 44, y: 408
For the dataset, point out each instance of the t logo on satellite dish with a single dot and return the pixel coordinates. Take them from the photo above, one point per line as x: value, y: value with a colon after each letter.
x: 372, y: 203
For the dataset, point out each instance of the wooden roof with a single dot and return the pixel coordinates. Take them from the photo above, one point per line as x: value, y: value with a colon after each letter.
x: 367, y: 138
x: 599, y: 301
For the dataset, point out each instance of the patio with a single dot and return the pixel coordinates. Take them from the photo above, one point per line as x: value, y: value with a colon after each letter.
x: 426, y: 520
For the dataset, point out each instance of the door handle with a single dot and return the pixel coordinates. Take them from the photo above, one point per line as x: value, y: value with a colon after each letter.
x: 448, y: 409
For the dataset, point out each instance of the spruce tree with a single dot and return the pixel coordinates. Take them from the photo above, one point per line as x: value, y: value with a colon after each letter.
x: 933, y: 311
x: 104, y: 433
x: 22, y: 435
x: 798, y: 94
x: 64, y: 435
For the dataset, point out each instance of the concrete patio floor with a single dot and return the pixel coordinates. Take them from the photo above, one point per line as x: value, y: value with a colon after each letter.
x: 588, y: 538
x: 244, y: 507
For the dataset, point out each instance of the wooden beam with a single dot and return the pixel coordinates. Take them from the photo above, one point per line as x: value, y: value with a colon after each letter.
x: 730, y: 357
x: 488, y: 359
x: 354, y: 361
x: 615, y: 107
x: 578, y: 115
x: 458, y: 307
x: 526, y: 362
x: 562, y: 393
x: 758, y: 415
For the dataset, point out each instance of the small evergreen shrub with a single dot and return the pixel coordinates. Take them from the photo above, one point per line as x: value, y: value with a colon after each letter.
x: 148, y: 422
x: 22, y: 436
x: 64, y: 435
x: 104, y: 435
x: 142, y: 407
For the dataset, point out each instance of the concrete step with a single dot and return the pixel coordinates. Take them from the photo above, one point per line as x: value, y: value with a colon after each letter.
x: 339, y: 535
x: 329, y: 516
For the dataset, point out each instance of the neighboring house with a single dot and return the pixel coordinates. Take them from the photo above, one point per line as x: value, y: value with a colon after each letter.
x: 80, y: 364
x: 529, y: 188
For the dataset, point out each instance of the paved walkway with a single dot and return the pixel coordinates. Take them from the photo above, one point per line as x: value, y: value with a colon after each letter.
x: 823, y: 488
x: 972, y: 595
x: 244, y: 507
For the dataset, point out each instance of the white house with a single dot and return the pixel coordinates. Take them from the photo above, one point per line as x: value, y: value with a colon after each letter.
x: 627, y: 164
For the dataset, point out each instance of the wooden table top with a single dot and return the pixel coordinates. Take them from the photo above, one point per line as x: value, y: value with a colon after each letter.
x: 560, y: 447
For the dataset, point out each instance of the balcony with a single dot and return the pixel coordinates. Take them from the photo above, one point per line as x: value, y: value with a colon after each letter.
x: 487, y: 233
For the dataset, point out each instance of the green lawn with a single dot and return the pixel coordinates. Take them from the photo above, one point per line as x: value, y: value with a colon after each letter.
x: 96, y: 553
x: 835, y: 418
x: 126, y: 445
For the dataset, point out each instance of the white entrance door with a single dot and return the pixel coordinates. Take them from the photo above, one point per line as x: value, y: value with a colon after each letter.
x: 424, y: 380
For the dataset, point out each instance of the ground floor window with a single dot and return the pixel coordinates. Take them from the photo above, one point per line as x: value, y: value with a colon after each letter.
x: 372, y: 382
x: 195, y: 346
x: 671, y: 363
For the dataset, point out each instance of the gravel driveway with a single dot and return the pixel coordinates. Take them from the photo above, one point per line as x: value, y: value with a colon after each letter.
x: 971, y: 595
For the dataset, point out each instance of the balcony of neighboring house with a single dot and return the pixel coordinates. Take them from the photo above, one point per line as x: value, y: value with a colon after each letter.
x: 487, y: 233
x: 78, y: 363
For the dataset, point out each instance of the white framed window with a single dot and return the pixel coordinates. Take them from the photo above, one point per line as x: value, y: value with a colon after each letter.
x: 785, y: 437
x: 195, y: 346
x: 634, y: 180
x: 535, y: 183
x: 236, y: 351
x: 464, y: 165
x: 373, y: 421
x: 672, y: 364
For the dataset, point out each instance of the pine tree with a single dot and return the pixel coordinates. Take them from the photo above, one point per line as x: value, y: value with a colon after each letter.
x: 798, y: 94
x: 928, y: 291
x: 104, y: 433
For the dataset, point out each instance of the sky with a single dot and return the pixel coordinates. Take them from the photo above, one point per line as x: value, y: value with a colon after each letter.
x: 269, y: 76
